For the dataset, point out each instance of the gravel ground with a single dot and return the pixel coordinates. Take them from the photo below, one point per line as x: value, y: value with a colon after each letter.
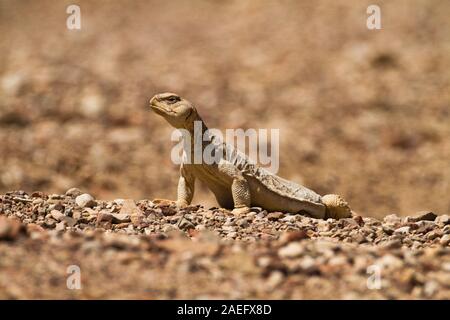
x: 151, y: 250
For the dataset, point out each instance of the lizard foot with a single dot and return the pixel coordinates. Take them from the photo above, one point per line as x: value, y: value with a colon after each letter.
x: 240, y: 211
x: 164, y: 202
x: 181, y: 204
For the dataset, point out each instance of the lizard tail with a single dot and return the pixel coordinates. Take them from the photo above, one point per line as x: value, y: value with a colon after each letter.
x: 337, y: 207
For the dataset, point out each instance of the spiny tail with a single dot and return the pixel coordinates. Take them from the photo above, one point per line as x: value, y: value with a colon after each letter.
x: 337, y: 207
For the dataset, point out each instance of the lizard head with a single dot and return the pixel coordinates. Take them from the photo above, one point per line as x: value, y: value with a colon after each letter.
x: 176, y: 110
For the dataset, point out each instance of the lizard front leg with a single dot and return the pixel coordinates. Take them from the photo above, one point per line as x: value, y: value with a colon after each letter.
x: 186, y: 188
x: 240, y: 189
x: 241, y: 195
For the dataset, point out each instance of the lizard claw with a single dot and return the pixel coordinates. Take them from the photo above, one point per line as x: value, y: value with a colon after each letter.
x: 240, y: 211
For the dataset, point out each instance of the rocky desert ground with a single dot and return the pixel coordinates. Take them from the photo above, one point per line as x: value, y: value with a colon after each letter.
x: 151, y: 250
x: 362, y: 113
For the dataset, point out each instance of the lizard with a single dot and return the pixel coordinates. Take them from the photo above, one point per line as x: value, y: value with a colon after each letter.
x: 236, y: 182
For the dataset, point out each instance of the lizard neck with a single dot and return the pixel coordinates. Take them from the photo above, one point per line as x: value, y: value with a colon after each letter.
x: 196, y: 124
x: 198, y: 134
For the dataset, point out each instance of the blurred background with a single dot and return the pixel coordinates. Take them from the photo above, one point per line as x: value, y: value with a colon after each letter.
x: 363, y: 113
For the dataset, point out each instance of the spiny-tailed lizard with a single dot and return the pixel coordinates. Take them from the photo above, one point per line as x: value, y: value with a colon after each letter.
x: 236, y: 182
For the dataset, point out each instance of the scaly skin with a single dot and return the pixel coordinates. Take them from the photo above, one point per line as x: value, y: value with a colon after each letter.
x: 237, y: 183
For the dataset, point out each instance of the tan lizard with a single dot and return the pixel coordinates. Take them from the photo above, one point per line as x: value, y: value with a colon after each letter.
x: 237, y: 183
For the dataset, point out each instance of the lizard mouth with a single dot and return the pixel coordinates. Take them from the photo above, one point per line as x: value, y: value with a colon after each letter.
x: 159, y: 109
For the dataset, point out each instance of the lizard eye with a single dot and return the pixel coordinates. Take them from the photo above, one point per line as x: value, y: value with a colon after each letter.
x: 173, y: 99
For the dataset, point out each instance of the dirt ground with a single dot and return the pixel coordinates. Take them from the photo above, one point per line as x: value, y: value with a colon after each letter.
x: 363, y: 113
